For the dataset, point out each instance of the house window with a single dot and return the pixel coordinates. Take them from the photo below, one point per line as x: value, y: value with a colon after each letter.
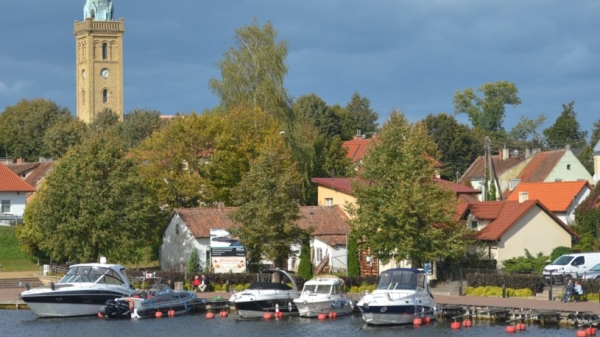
x: 568, y: 166
x: 474, y: 224
x: 5, y: 206
x: 319, y: 254
x: 328, y: 201
x: 177, y: 229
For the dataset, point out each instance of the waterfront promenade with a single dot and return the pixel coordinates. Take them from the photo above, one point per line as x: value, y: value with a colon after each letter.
x: 9, y: 298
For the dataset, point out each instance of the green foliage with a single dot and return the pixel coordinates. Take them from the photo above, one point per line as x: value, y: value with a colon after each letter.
x: 535, y: 283
x: 587, y: 224
x: 487, y: 112
x: 595, y: 134
x: 456, y: 142
x: 305, y: 269
x: 138, y: 125
x: 497, y: 292
x: 527, y: 263
x: 93, y: 203
x: 24, y: 126
x: 268, y: 210
x: 566, y: 129
x: 106, y: 120
x: 558, y: 252
x: 66, y: 133
x: 193, y: 265
x: 252, y: 72
x: 365, y: 119
x: 525, y: 133
x: 353, y: 263
x: 402, y: 212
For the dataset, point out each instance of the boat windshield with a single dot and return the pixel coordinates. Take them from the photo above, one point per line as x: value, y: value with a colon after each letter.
x: 92, y: 274
x: 317, y: 289
x: 399, y: 280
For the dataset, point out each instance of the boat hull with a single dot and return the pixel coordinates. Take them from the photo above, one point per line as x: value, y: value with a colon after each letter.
x: 257, y: 308
x: 395, y: 314
x: 67, y: 303
x: 312, y: 308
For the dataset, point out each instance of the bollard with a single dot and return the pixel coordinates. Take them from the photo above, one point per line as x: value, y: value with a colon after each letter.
x: 227, y: 286
x: 550, y: 292
x: 503, y: 290
x: 460, y: 288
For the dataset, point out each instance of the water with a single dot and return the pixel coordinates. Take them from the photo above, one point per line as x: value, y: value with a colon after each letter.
x: 19, y: 323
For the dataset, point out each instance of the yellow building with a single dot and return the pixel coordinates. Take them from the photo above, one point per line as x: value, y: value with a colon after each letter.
x: 99, y: 61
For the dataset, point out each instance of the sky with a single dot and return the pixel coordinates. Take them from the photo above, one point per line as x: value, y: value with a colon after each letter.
x: 411, y: 56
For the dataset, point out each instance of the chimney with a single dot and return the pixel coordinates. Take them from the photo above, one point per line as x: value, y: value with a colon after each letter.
x: 523, y: 196
x: 527, y: 152
x: 20, y: 161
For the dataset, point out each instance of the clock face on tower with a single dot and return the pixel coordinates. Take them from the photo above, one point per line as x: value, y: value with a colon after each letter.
x: 104, y: 73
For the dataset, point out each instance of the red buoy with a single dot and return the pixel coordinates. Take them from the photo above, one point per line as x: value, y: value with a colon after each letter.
x: 592, y: 331
x: 417, y: 321
x: 467, y: 323
x: 210, y: 315
x: 581, y: 333
x: 171, y: 313
x: 158, y: 314
x: 523, y: 326
x: 333, y: 315
x: 321, y: 316
x: 223, y: 314
x: 511, y: 329
x: 267, y: 315
x: 100, y: 315
x: 426, y: 320
x: 279, y: 314
x: 455, y: 325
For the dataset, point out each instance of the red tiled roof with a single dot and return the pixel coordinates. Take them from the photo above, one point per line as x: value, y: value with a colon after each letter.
x: 541, y: 165
x: 328, y: 222
x: 476, y: 170
x: 10, y: 182
x: 557, y: 196
x: 357, y: 147
x: 338, y: 184
x: 504, y: 214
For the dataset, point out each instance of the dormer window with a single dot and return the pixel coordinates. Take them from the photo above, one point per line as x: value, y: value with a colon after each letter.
x: 474, y: 224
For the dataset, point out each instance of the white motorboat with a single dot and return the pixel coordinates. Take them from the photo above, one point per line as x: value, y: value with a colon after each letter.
x: 80, y: 292
x: 401, y: 296
x: 324, y: 295
x: 269, y: 295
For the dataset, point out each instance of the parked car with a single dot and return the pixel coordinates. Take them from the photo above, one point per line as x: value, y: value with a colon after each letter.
x: 571, y: 265
x: 592, y: 274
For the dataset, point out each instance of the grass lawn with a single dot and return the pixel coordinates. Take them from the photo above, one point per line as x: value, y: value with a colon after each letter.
x: 11, y: 257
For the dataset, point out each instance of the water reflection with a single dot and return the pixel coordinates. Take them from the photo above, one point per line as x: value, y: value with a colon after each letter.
x: 24, y: 323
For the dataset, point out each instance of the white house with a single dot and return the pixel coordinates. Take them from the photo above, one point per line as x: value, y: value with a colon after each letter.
x: 190, y: 229
x: 13, y: 195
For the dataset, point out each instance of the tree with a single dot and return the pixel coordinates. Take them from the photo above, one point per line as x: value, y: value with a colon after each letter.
x: 253, y: 73
x: 487, y: 112
x: 559, y: 251
x: 353, y: 265
x: 526, y: 134
x: 313, y: 108
x: 268, y: 205
x: 106, y: 120
x: 93, y: 203
x: 365, y: 119
x: 527, y: 263
x: 456, y: 143
x: 174, y: 162
x: 139, y: 124
x: 595, y: 134
x: 565, y: 130
x: 24, y: 126
x: 587, y: 223
x: 66, y: 133
x: 400, y: 211
x: 305, y: 269
x: 193, y: 265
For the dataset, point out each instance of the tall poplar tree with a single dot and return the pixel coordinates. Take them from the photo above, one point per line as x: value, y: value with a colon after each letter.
x: 400, y: 211
x: 566, y: 130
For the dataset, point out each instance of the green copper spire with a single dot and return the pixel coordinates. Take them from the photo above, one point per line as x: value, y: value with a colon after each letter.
x: 99, y: 10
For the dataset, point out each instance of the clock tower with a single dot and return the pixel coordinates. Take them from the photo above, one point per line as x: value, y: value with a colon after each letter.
x: 99, y: 61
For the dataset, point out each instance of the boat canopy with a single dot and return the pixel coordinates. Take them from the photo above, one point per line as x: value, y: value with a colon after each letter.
x: 402, y: 279
x: 93, y: 274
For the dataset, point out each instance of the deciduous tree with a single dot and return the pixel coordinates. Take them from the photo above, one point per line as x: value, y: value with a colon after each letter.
x: 268, y: 205
x: 94, y: 203
x: 400, y: 211
x: 487, y: 112
x: 138, y: 125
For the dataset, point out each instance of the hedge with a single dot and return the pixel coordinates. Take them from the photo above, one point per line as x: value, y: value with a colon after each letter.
x: 535, y: 283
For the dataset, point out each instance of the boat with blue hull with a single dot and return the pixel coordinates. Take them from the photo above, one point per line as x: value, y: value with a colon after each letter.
x: 80, y: 292
x: 401, y: 296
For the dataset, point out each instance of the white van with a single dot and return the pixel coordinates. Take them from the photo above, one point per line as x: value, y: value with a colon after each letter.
x: 570, y: 266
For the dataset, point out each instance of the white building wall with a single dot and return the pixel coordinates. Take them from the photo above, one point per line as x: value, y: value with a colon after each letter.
x: 17, y: 202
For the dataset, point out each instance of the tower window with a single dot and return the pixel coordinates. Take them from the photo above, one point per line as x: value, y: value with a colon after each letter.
x: 104, y: 51
x: 105, y: 96
x: 93, y: 14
